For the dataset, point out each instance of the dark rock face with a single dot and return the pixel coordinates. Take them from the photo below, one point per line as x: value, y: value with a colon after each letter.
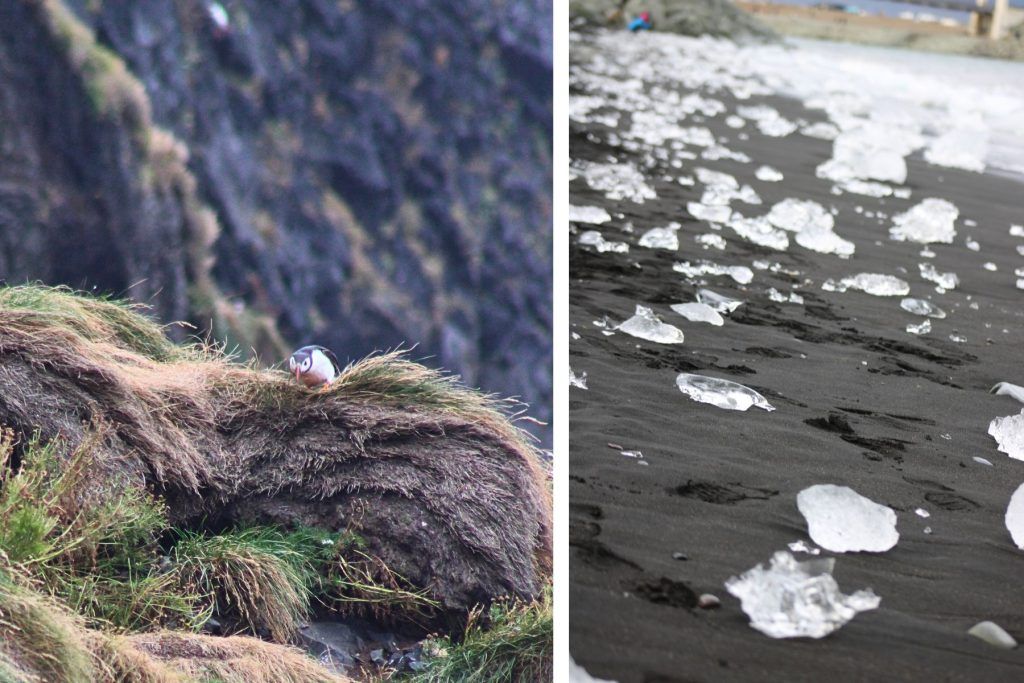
x: 381, y: 172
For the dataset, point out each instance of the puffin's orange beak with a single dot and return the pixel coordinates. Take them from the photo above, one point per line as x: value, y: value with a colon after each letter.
x: 297, y: 370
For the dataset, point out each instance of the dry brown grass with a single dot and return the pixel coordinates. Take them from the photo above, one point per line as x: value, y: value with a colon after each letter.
x: 232, y: 660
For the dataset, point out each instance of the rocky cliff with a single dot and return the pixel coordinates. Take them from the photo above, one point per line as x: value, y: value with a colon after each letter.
x: 359, y: 175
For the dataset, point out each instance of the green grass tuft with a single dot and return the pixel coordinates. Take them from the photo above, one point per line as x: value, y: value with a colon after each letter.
x: 252, y: 574
x: 512, y: 642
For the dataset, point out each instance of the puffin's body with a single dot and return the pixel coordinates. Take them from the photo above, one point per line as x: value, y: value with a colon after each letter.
x: 314, y: 366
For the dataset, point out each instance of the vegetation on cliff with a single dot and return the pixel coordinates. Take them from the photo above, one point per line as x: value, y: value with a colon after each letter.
x: 149, y: 487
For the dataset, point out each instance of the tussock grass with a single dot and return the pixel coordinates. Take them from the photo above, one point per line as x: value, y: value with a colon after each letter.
x: 512, y: 641
x: 350, y: 580
x: 252, y: 573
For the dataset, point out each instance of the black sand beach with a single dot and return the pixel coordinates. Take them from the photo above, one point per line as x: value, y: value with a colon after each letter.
x: 859, y: 402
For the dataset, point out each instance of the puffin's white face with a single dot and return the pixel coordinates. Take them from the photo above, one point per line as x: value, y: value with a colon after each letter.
x: 311, y: 367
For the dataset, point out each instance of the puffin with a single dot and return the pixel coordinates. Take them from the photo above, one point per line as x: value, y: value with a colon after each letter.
x: 314, y: 366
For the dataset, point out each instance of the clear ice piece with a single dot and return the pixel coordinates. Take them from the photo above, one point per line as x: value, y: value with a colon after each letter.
x: 993, y: 634
x: 923, y: 327
x: 579, y: 381
x: 740, y: 274
x: 875, y: 284
x: 661, y: 238
x: 944, y: 280
x: 794, y: 599
x: 802, y: 547
x: 721, y: 392
x: 719, y: 302
x: 841, y: 520
x: 592, y: 238
x: 768, y: 174
x: 594, y: 215
x: 698, y: 312
x: 759, y: 231
x: 1007, y: 389
x: 928, y: 222
x: 1015, y: 517
x: 796, y: 214
x: 645, y: 325
x: 922, y: 307
x: 1009, y: 435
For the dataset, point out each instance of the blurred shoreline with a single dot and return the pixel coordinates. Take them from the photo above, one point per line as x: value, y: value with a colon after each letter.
x: 830, y: 24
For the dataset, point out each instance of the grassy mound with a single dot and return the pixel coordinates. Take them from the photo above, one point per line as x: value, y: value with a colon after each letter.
x: 149, y: 486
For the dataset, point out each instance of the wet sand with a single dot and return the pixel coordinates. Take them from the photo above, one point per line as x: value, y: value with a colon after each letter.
x: 859, y: 402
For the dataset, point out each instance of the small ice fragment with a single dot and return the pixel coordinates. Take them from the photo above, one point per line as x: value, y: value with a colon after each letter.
x: 685, y: 180
x: 972, y: 244
x: 927, y: 529
x: 661, y: 238
x: 716, y: 178
x: 698, y: 312
x: 740, y: 274
x: 988, y: 265
x: 1009, y: 435
x: 577, y: 674
x: 821, y: 130
x: 796, y: 214
x: 802, y: 547
x: 927, y: 222
x: 824, y: 241
x: 594, y: 215
x: 579, y: 381
x: 1017, y: 230
x: 645, y: 325
x: 867, y: 188
x: 710, y: 239
x: 901, y: 192
x: 924, y: 327
x: 1015, y: 516
x: 922, y: 307
x: 708, y: 601
x: 794, y: 599
x: 841, y: 520
x: 632, y: 454
x: 721, y: 392
x: 944, y: 280
x: 982, y: 461
x: 575, y: 336
x: 768, y: 174
x: 875, y: 284
x: 993, y: 634
x: 1007, y: 389
x: 735, y: 121
x: 618, y: 181
x: 710, y: 213
x: 592, y: 238
x: 927, y: 253
x: 759, y: 231
x: 958, y: 338
x: 921, y: 512
x: 719, y: 302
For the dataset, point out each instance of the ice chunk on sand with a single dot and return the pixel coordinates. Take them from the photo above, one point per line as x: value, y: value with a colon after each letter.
x: 923, y: 327
x: 768, y: 174
x: 759, y: 231
x: 618, y: 181
x: 993, y: 634
x: 710, y: 239
x: 716, y: 178
x: 594, y: 215
x: 708, y: 212
x: 821, y: 130
x: 1015, y: 516
x: 928, y: 222
x: 701, y: 313
x: 876, y: 284
x: 592, y: 238
x: 944, y: 280
x: 1009, y: 434
x: 645, y: 325
x: 866, y: 188
x: 579, y: 381
x: 802, y: 547
x: 577, y: 674
x: 721, y: 392
x: 922, y: 307
x: 740, y: 274
x: 963, y: 147
x: 719, y: 302
x: 796, y: 214
x: 794, y: 599
x: 661, y: 238
x: 841, y: 520
x: 824, y: 241
x: 1007, y: 389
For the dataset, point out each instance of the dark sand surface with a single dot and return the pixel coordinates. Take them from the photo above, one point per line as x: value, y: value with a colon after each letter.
x: 720, y: 486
